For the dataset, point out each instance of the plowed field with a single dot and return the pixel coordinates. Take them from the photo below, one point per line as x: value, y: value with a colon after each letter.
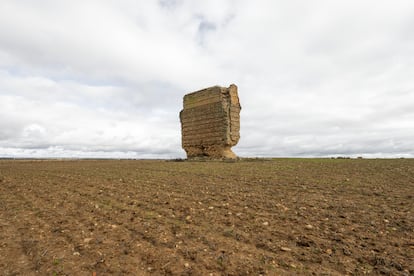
x: 270, y: 217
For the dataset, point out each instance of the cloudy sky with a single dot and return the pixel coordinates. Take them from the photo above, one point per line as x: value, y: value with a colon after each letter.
x: 106, y: 78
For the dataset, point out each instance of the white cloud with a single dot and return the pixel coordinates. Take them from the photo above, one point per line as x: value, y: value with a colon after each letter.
x: 106, y: 78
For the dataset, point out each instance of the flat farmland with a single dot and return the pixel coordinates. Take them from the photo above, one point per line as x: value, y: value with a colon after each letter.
x: 250, y: 217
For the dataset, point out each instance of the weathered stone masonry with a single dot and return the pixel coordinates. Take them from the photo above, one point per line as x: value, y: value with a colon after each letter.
x: 210, y: 122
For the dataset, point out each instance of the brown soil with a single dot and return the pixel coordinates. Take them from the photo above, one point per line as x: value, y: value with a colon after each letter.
x: 271, y: 217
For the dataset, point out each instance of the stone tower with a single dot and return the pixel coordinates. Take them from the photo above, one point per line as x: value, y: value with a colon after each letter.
x: 210, y: 122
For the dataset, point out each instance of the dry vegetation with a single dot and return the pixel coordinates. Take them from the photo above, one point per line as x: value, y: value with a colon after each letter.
x: 271, y: 217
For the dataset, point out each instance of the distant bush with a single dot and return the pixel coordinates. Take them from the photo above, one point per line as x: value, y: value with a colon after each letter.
x: 176, y: 160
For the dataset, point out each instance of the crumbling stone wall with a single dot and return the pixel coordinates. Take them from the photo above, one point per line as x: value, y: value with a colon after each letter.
x: 210, y: 122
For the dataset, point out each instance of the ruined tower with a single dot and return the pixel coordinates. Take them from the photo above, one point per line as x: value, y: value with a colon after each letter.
x: 210, y: 122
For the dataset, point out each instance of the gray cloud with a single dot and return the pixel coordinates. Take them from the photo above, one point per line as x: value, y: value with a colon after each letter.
x: 106, y: 79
